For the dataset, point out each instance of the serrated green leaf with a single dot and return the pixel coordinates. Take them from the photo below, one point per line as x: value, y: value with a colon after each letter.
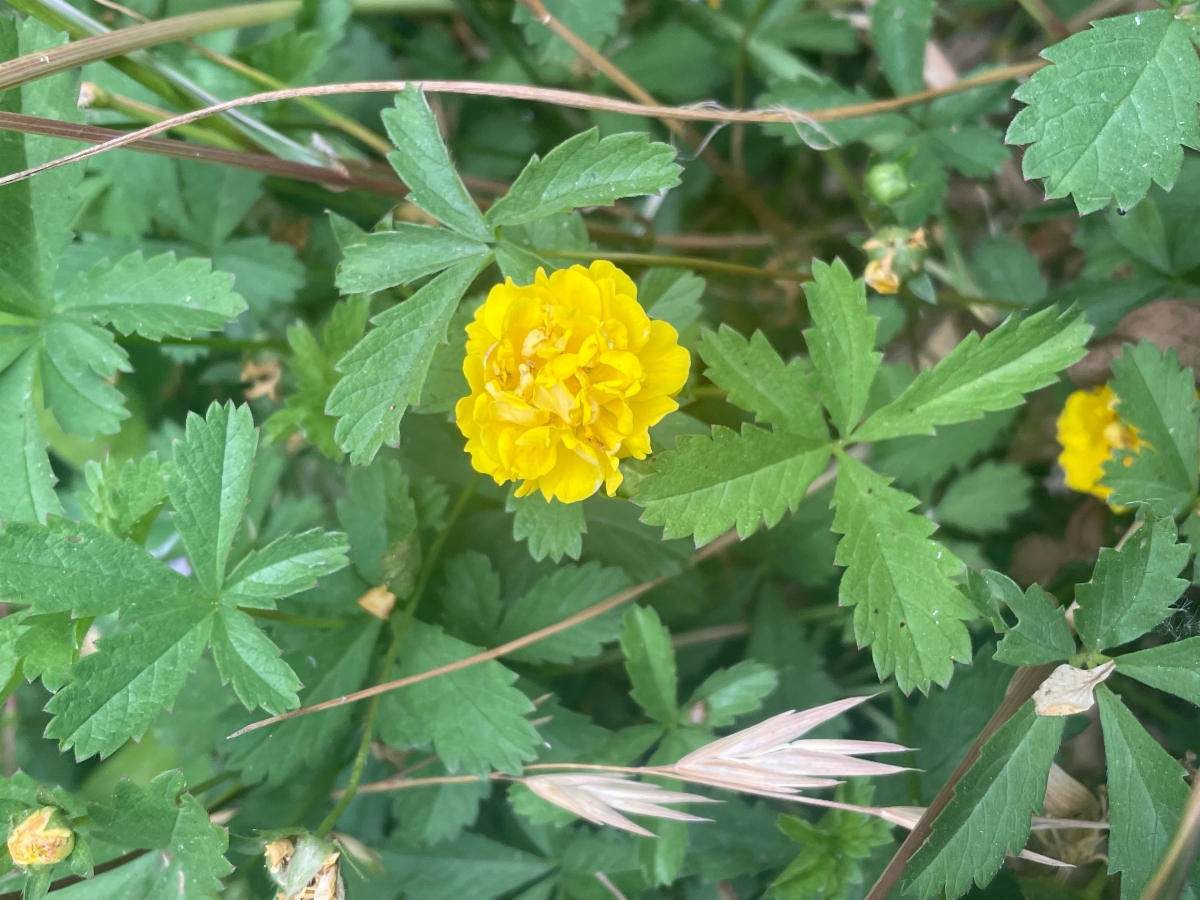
x: 438, y: 813
x: 378, y: 512
x: 983, y: 376
x: 1109, y: 116
x: 471, y: 598
x: 124, y: 499
x: 1174, y: 668
x: 79, y: 362
x: 899, y: 30
x: 47, y: 647
x: 593, y: 20
x: 250, y: 661
x: 67, y: 566
x: 1146, y: 796
x: 552, y: 528
x: 841, y: 342
x: 1132, y: 589
x: 26, y: 479
x: 384, y: 374
x: 567, y: 591
x: 586, y: 170
x: 989, y: 815
x: 829, y: 861
x: 286, y: 566
x: 1157, y: 398
x: 474, y: 719
x: 209, y: 485
x: 906, y: 607
x: 385, y: 259
x: 330, y: 664
x: 650, y: 662
x: 162, y: 816
x: 729, y: 693
x: 1041, y: 634
x: 117, y: 692
x: 711, y: 484
x: 1004, y: 269
x: 154, y: 297
x: 755, y: 378
x: 985, y: 499
x: 672, y: 295
x: 471, y: 866
x: 617, y: 537
x: 423, y: 163
x: 519, y: 264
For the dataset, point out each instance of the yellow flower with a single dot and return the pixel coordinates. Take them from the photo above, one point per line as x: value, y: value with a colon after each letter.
x: 40, y: 839
x: 1089, y: 430
x: 567, y: 375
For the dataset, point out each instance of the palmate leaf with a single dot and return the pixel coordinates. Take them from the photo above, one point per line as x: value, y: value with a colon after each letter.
x: 26, y: 479
x: 250, y: 661
x: 471, y: 866
x: 474, y: 719
x: 124, y: 499
x: 1146, y: 796
x: 1109, y: 116
x: 384, y: 374
x: 586, y: 170
x: 1132, y: 589
x: 384, y: 259
x: 841, y: 342
x: 990, y: 814
x: 981, y: 376
x: 650, y: 662
x: 1041, y: 634
x: 423, y: 163
x: 755, y: 378
x: 552, y: 528
x: 899, y: 30
x: 906, y: 607
x: 593, y: 20
x: 1158, y: 399
x: 736, y: 691
x: 1174, y: 668
x: 711, y: 484
x: 286, y: 566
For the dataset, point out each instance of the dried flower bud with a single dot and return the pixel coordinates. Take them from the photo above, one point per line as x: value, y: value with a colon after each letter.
x: 278, y: 853
x: 378, y: 601
x: 895, y: 254
x: 887, y: 182
x: 880, y: 277
x: 41, y: 839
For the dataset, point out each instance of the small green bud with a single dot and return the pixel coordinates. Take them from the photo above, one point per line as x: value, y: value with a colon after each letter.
x: 887, y: 182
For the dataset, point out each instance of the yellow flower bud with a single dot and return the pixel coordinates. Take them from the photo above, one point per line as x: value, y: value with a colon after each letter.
x: 41, y: 839
x: 567, y: 375
x: 1089, y: 430
x: 880, y: 276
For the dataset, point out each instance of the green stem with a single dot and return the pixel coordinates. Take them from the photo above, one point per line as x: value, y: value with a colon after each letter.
x: 678, y: 262
x: 837, y: 163
x: 212, y: 343
x: 208, y: 784
x: 401, y: 620
x: 276, y: 615
x: 904, y: 736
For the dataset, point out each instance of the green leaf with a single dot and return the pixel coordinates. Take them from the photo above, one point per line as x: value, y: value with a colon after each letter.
x: 163, y: 816
x: 672, y: 295
x: 519, y: 264
x: 471, y: 598
x: 47, y: 646
x: 474, y: 719
x: 71, y: 567
x: 438, y: 813
x: 26, y: 480
x: 423, y: 163
x: 728, y: 693
x: 829, y: 862
x: 587, y: 171
x: 286, y: 566
x: 552, y: 528
x: 124, y: 499
x: 1005, y: 270
x: 755, y: 378
x: 564, y: 593
x: 1111, y: 113
x: 1146, y: 796
x: 899, y: 30
x: 981, y: 376
x: 1132, y: 589
x: 154, y: 297
x: 472, y: 866
x: 247, y: 658
x: 209, y: 484
x: 385, y: 259
x: 118, y: 691
x: 710, y: 484
x: 650, y: 662
x: 1174, y: 668
x: 989, y: 815
x: 1041, y: 634
x: 593, y: 20
x: 906, y: 607
x: 841, y: 342
x: 79, y: 362
x: 986, y: 498
x: 384, y: 374
x: 1158, y: 399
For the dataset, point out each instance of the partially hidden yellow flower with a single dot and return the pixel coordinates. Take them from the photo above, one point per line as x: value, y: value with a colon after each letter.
x: 40, y: 839
x: 567, y: 375
x: 1089, y: 430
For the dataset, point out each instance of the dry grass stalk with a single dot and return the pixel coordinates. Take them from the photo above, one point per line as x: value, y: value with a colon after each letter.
x: 597, y: 798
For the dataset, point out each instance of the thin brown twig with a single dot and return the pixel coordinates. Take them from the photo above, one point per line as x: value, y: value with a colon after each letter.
x: 573, y: 99
x: 1024, y: 682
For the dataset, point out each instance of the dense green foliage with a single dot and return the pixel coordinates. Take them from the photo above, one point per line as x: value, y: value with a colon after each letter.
x: 233, y: 483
